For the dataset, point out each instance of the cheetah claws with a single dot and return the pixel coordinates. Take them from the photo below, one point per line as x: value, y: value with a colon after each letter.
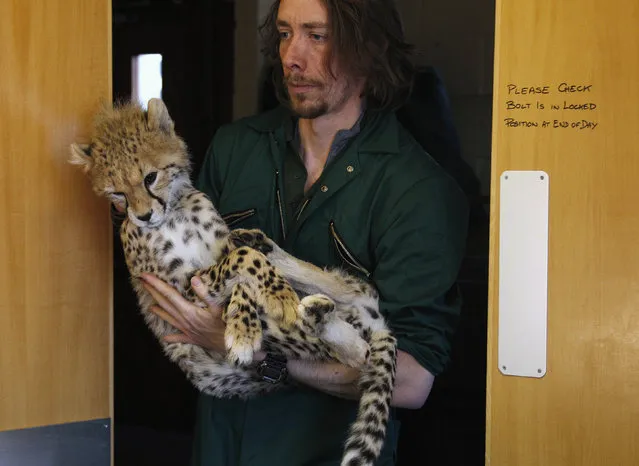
x: 241, y: 350
x: 240, y: 357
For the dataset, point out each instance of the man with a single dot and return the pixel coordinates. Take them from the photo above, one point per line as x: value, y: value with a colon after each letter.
x: 335, y: 180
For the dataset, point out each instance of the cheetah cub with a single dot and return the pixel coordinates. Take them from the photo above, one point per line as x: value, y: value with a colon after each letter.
x: 271, y: 300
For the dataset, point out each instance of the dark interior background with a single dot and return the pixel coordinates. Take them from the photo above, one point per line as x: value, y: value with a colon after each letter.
x: 154, y: 404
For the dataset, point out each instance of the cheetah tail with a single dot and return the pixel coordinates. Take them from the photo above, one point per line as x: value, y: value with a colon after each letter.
x: 366, y: 435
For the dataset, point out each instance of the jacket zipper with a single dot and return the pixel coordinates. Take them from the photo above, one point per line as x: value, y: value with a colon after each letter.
x: 279, y: 203
x: 299, y: 212
x: 345, y: 253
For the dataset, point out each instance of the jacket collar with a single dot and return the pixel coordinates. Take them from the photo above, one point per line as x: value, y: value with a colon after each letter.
x: 379, y: 132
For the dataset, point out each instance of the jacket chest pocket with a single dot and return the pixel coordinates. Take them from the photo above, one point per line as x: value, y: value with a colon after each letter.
x: 345, y: 253
x: 234, y: 218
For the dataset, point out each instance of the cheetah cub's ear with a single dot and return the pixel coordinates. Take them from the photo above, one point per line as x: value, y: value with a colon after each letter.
x: 158, y: 116
x: 81, y: 156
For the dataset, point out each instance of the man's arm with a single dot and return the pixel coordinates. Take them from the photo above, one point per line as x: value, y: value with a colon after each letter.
x: 412, y: 382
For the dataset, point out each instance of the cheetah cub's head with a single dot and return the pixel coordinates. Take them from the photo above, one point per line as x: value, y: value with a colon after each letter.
x: 136, y: 160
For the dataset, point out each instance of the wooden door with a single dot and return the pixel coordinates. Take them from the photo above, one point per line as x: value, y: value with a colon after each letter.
x: 566, y: 104
x: 55, y: 239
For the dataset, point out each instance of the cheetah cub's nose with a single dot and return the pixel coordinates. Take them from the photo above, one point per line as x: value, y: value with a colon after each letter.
x: 146, y: 217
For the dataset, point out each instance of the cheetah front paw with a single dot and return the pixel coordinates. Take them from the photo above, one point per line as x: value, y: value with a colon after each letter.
x: 241, y: 345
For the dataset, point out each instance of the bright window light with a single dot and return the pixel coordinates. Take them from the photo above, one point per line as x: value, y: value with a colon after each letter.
x: 146, y: 77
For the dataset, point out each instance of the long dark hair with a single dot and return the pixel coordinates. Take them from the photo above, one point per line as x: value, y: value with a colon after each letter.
x: 366, y: 39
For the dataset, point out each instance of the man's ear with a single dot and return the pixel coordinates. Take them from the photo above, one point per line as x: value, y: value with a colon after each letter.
x: 81, y: 156
x: 158, y: 116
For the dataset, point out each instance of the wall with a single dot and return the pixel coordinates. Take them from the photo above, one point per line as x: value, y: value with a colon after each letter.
x: 249, y: 14
x: 246, y: 67
x: 457, y: 37
x: 55, y: 240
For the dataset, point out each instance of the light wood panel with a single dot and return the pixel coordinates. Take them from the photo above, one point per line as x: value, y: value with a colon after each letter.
x: 585, y: 411
x: 55, y: 240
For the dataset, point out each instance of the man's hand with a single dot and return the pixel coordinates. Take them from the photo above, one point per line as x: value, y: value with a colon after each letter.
x: 202, y: 327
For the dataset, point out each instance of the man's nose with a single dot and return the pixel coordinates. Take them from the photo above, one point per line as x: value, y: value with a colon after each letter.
x: 293, y: 54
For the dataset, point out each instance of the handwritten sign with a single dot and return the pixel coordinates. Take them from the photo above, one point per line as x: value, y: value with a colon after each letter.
x: 565, y: 106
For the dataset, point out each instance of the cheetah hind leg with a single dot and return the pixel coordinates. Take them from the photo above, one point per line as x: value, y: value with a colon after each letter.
x: 243, y: 333
x: 320, y: 319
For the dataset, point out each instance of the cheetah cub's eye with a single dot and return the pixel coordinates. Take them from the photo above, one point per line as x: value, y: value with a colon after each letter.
x: 150, y: 178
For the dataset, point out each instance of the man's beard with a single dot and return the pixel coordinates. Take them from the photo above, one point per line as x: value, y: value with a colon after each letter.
x: 309, y: 111
x: 302, y: 107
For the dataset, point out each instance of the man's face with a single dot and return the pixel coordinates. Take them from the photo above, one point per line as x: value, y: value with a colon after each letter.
x: 304, y: 44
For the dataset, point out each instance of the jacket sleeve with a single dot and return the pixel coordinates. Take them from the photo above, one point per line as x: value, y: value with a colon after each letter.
x: 419, y: 249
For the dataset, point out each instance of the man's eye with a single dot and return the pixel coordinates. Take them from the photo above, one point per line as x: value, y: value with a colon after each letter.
x: 150, y: 178
x: 284, y: 35
x: 318, y: 37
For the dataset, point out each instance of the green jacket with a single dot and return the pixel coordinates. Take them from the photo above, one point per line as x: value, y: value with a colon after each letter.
x: 382, y: 209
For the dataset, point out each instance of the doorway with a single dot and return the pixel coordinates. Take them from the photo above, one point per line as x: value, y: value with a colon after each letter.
x: 181, y: 51
x: 202, y: 63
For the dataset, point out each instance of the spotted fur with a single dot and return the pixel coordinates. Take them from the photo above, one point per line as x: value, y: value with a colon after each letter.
x: 271, y: 300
